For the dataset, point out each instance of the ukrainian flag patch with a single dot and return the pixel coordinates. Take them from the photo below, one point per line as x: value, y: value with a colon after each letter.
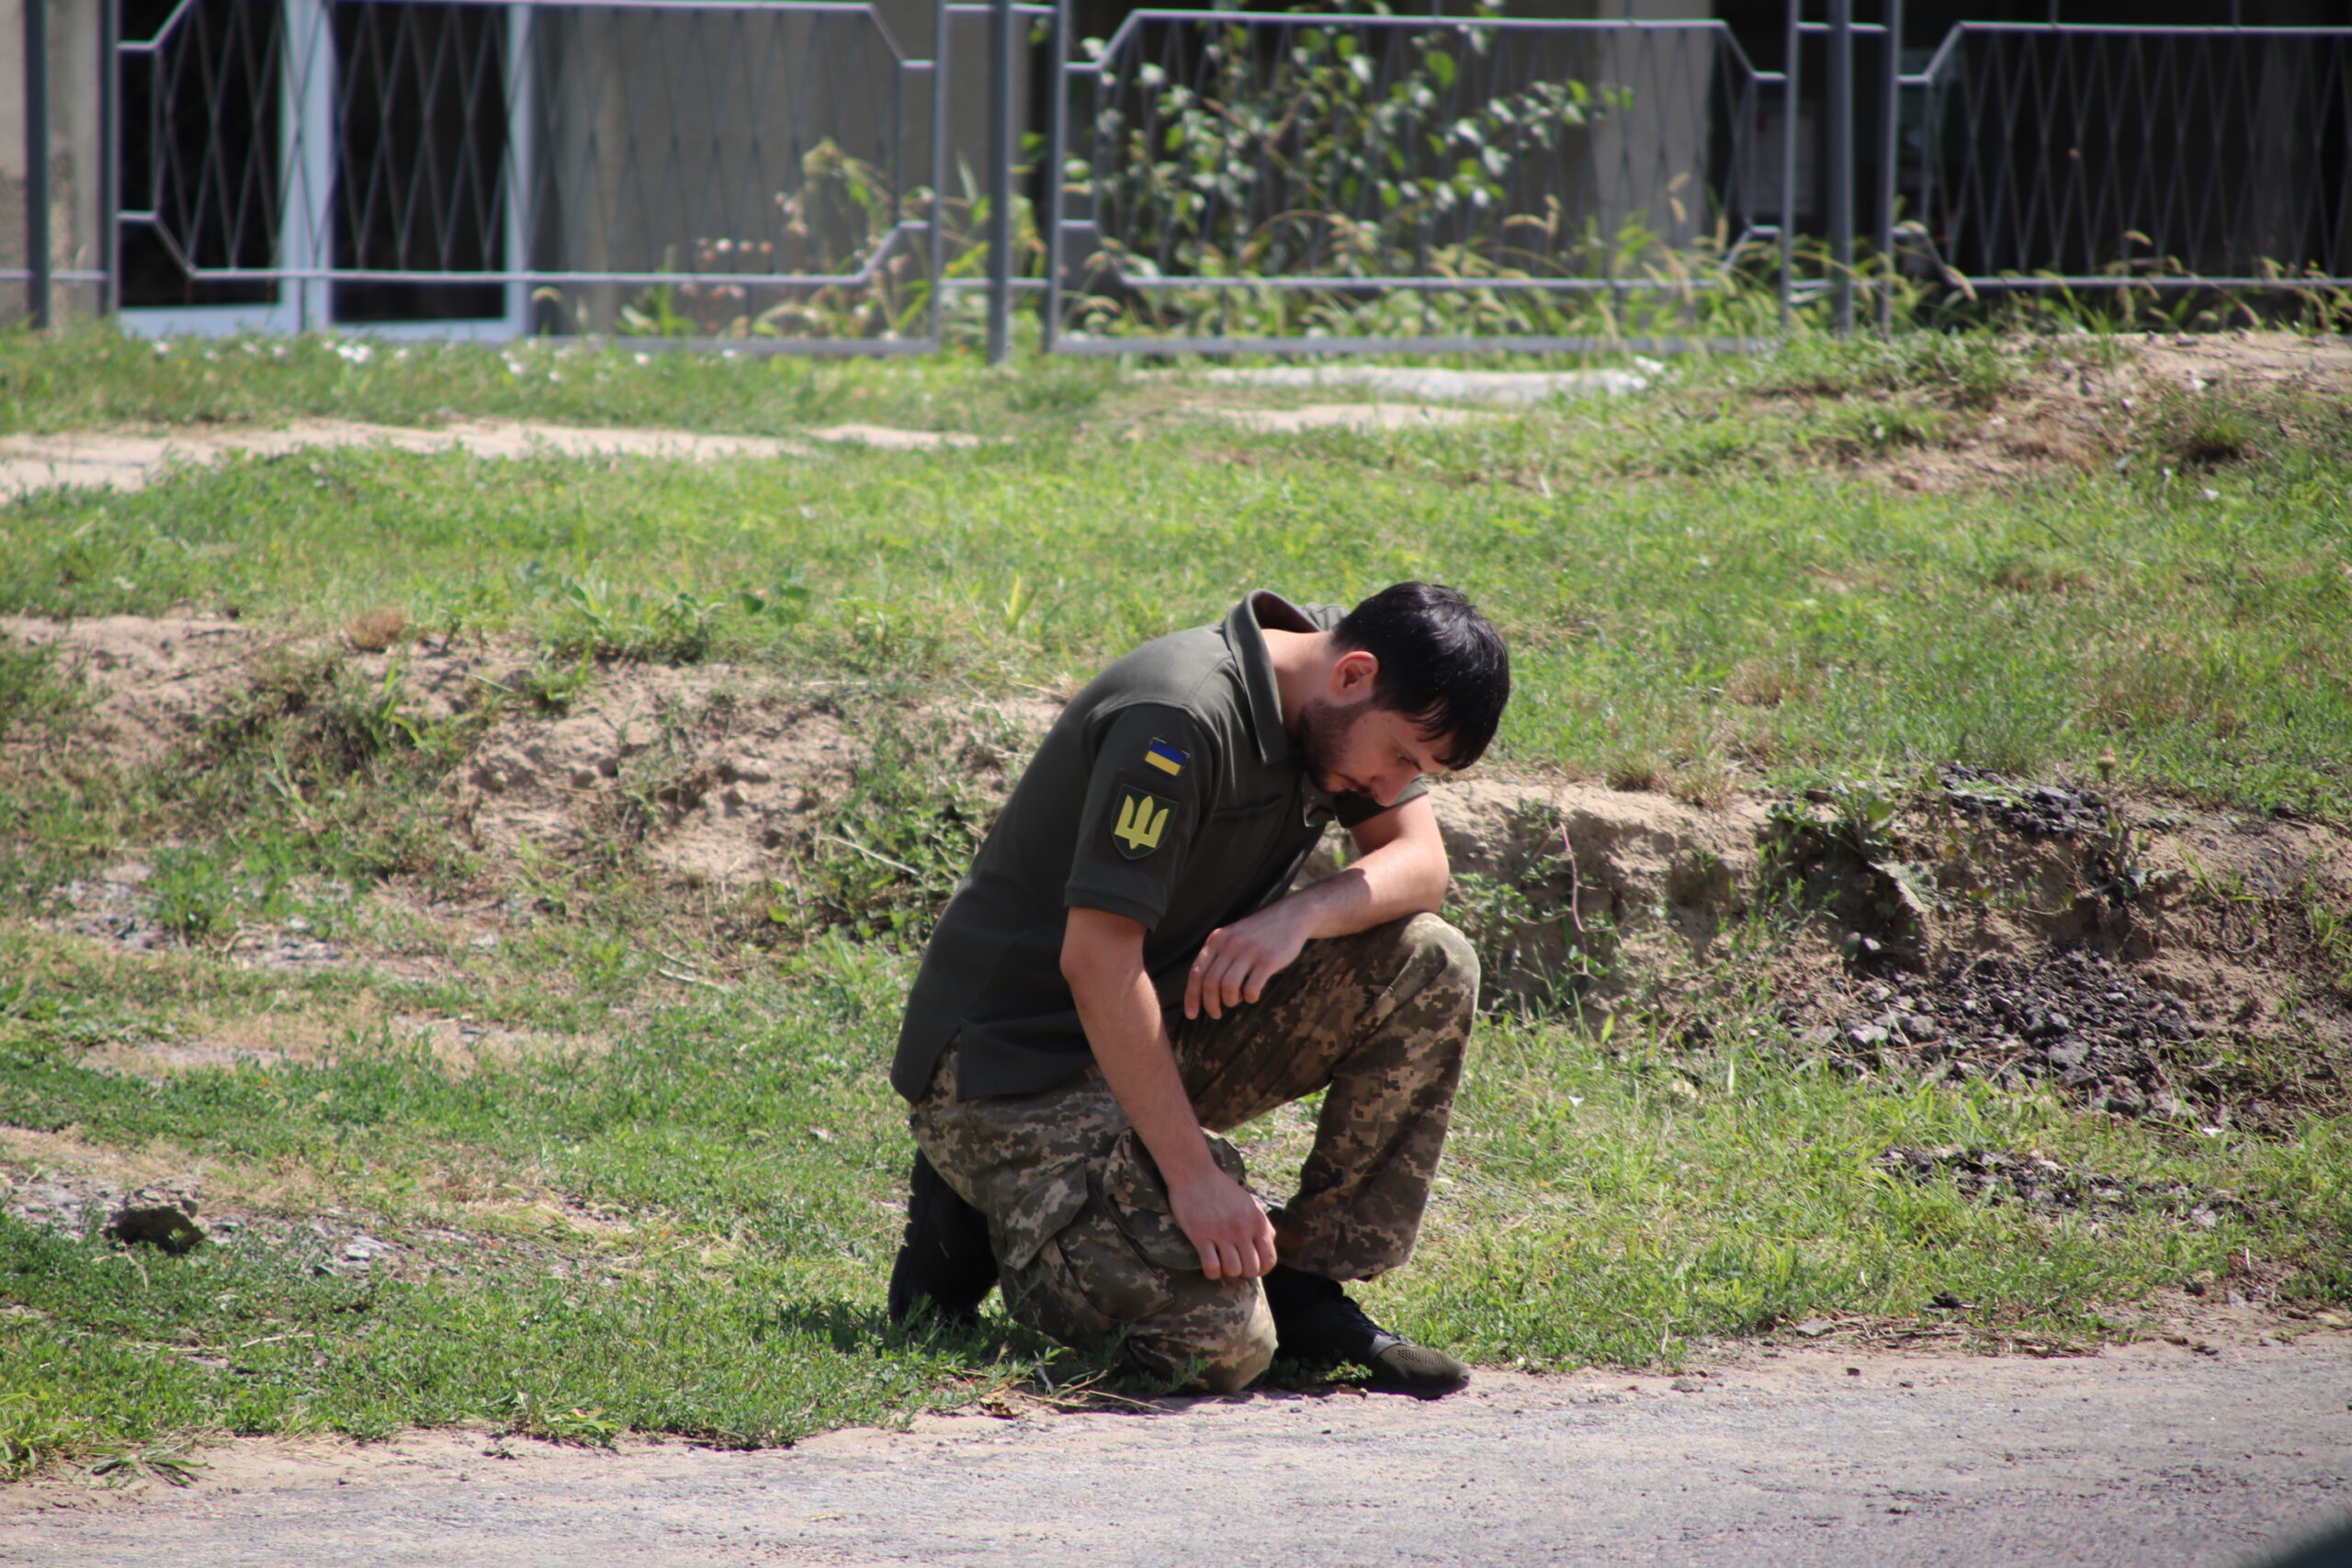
x: 1166, y: 758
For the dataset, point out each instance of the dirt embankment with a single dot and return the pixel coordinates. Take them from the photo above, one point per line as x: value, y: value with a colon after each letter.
x: 2136, y: 955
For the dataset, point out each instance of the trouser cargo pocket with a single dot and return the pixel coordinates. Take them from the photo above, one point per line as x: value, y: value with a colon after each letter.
x: 1136, y: 1200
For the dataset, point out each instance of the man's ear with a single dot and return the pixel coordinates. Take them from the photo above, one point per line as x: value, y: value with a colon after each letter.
x: 1353, y: 672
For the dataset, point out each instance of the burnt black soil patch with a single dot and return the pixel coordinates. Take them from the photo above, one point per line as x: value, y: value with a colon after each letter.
x: 2039, y: 810
x: 2080, y: 1022
x: 1998, y: 1176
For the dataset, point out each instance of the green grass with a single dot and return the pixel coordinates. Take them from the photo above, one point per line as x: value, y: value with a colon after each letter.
x: 1700, y: 592
x: 1599, y: 1206
x: 89, y: 376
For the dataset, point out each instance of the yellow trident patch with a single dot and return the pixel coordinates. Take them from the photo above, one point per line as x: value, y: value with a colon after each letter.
x: 1143, y: 819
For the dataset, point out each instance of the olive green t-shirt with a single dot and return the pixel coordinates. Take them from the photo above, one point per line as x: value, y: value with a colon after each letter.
x: 1168, y: 790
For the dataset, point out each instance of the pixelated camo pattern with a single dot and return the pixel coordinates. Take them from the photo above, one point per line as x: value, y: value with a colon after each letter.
x: 1084, y: 1241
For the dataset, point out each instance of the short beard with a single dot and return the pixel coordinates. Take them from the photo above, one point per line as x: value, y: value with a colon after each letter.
x: 1323, y: 730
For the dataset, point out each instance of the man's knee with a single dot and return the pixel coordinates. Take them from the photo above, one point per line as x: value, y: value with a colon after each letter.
x: 1438, y: 964
x: 1452, y: 960
x: 1217, y: 1335
x: 1088, y: 1288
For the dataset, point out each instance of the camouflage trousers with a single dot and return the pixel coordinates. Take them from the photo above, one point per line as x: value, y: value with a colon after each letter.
x: 1087, y: 1251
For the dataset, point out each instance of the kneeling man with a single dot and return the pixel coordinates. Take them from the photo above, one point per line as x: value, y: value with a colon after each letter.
x: 1124, y: 973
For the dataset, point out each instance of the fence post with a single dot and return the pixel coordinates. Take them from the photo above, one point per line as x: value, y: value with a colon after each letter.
x: 1890, y: 159
x: 936, y: 312
x: 36, y: 161
x: 1789, y: 117
x: 1841, y: 162
x: 305, y: 100
x: 1000, y: 181
x: 1049, y: 214
x: 522, y: 163
x: 109, y: 156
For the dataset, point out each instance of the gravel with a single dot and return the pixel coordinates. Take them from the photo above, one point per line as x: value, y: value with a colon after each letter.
x: 2078, y: 1021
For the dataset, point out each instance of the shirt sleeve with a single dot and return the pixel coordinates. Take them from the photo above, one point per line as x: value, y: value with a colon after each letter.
x: 1145, y: 801
x: 1355, y: 808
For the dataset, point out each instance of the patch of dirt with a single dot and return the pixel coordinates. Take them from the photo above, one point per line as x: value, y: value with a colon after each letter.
x: 129, y: 460
x: 1996, y: 1176
x: 2095, y: 1029
x: 1422, y: 385
x: 56, y: 1182
x: 152, y: 680
x: 1342, y: 416
x: 2071, y: 412
x: 309, y: 1036
x: 706, y: 766
x: 2134, y: 957
x: 115, y: 907
x: 889, y: 438
x: 711, y: 774
x: 2137, y: 956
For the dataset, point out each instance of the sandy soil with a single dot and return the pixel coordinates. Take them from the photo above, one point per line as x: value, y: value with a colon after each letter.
x: 2145, y: 1456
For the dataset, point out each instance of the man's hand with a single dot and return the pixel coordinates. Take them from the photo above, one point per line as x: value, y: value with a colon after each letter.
x: 1238, y: 959
x: 1225, y: 1225
x: 1102, y: 958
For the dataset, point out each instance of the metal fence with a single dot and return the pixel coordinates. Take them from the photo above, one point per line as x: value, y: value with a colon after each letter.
x: 863, y: 175
x: 728, y: 167
x: 2089, y: 157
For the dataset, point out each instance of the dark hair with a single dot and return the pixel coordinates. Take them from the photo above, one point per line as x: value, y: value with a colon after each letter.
x: 1441, y: 664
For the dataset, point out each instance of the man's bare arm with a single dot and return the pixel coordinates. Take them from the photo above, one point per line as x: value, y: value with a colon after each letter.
x: 1401, y: 870
x: 1103, y: 960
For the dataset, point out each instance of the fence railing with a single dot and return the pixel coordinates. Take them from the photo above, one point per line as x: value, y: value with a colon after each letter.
x: 855, y: 175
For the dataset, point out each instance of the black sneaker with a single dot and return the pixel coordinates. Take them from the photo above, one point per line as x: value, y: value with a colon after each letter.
x: 1315, y: 1324
x: 944, y: 1259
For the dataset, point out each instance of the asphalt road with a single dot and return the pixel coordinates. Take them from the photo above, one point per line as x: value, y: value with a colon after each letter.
x: 2142, y: 1457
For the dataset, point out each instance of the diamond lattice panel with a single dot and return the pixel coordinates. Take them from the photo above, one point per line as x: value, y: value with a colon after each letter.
x: 2081, y: 151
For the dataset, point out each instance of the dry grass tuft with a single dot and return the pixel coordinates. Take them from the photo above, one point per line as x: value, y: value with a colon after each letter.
x: 1644, y: 774
x: 372, y: 631
x: 1767, y: 683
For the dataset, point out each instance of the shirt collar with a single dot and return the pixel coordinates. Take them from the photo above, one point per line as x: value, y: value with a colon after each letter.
x: 1245, y: 634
